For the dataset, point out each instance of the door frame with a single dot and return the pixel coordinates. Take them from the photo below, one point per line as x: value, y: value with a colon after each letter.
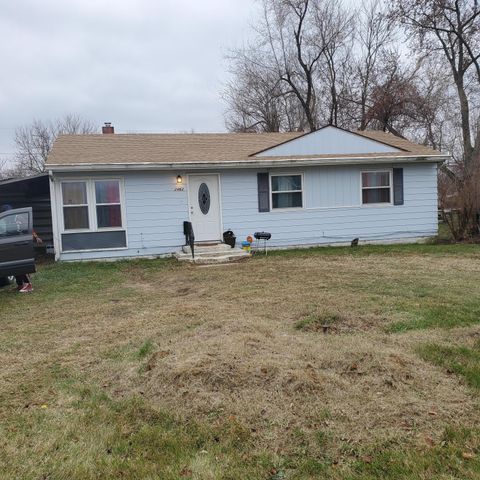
x: 220, y: 209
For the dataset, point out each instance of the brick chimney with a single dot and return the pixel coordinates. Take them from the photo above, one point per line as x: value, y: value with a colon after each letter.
x: 108, y: 128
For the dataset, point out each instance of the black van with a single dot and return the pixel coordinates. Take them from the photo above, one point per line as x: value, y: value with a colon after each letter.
x: 16, y: 244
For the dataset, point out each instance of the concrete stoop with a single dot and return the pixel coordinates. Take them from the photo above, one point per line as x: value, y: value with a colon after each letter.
x: 211, y: 254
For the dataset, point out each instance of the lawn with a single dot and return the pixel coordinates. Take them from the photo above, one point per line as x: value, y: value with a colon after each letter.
x: 335, y: 363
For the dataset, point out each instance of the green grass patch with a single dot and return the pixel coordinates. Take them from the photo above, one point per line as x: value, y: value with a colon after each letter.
x: 366, y: 250
x: 146, y: 349
x: 81, y: 432
x: 445, y: 460
x: 460, y: 314
x: 463, y: 361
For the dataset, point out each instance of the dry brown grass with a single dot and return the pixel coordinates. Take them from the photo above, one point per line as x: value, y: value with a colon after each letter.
x: 223, y: 343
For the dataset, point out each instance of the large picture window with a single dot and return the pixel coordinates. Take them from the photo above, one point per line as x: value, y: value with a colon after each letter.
x: 75, y: 205
x: 376, y: 187
x: 91, y: 205
x: 287, y: 191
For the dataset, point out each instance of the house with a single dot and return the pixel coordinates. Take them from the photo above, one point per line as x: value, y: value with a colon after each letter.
x: 127, y: 195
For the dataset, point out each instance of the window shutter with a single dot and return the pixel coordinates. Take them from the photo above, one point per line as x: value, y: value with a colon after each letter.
x: 398, y: 186
x: 263, y: 192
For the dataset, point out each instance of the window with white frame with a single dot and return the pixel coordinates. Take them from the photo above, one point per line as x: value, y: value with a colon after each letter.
x: 75, y: 205
x: 376, y: 187
x: 287, y: 191
x: 91, y: 205
x: 108, y: 206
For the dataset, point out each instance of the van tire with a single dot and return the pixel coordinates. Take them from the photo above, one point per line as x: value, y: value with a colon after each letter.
x: 5, y: 281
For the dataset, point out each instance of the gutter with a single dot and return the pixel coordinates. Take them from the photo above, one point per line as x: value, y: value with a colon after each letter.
x: 257, y: 163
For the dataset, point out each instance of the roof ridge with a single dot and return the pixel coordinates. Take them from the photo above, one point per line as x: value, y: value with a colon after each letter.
x: 116, y: 134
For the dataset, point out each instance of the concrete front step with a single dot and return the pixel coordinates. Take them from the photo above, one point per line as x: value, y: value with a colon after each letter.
x: 214, y: 260
x: 211, y: 254
x: 232, y: 253
x: 207, y: 248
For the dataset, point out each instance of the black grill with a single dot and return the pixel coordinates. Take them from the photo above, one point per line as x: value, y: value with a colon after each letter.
x: 262, y: 235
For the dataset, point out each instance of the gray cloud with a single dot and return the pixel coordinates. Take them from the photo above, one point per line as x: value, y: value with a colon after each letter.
x: 145, y: 65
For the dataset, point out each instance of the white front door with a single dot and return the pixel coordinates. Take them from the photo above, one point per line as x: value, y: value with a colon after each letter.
x: 204, y: 205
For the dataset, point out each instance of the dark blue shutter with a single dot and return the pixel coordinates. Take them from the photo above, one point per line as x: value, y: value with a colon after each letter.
x: 398, y: 186
x: 263, y: 192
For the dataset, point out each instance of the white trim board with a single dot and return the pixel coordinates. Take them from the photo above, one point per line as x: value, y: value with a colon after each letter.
x: 254, y: 163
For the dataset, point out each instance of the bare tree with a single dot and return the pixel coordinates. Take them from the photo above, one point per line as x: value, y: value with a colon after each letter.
x: 394, y: 98
x: 436, y: 116
x: 5, y: 170
x: 308, y: 66
x: 300, y: 50
x: 288, y: 32
x: 450, y: 29
x: 254, y: 97
x: 374, y: 35
x: 335, y: 30
x: 35, y: 141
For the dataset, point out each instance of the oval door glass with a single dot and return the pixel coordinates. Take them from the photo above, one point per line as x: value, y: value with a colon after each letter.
x: 204, y: 198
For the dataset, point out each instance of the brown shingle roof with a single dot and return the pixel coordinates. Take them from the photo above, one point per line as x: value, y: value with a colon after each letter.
x: 161, y: 148
x: 186, y: 148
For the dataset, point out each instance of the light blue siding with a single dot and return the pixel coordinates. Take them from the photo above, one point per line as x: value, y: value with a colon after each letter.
x: 331, y: 187
x: 155, y: 212
x: 332, y: 213
x: 328, y: 141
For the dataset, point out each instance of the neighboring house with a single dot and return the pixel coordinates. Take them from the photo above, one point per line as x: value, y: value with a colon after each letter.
x: 128, y: 195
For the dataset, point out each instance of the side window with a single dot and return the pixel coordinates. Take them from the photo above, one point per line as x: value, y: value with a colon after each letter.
x: 376, y: 187
x: 107, y: 202
x: 75, y: 205
x: 287, y: 191
x: 14, y: 225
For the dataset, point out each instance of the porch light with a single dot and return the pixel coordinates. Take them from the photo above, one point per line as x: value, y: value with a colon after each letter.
x: 179, y: 180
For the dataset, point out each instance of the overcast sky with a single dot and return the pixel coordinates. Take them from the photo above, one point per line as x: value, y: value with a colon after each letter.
x: 144, y: 65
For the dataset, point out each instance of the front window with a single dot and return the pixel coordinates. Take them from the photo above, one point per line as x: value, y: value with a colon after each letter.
x: 91, y: 205
x: 376, y: 187
x: 107, y: 197
x: 287, y: 191
x: 75, y: 205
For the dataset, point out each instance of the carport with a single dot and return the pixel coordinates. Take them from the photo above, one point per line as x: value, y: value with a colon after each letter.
x: 32, y: 192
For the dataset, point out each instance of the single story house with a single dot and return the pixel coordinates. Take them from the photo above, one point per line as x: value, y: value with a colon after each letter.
x: 127, y: 195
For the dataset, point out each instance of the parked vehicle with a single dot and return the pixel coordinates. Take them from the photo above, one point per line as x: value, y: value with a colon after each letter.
x: 16, y: 244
